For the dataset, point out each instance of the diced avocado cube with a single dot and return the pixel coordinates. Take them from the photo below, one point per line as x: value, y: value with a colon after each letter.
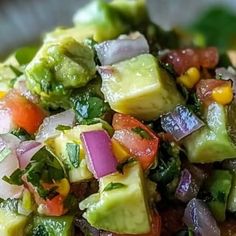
x: 52, y: 226
x: 12, y: 224
x: 134, y: 11
x: 139, y: 87
x: 212, y: 142
x: 59, y: 67
x: 6, y: 76
x: 101, y: 20
x: 219, y: 185
x: 77, y: 33
x: 121, y: 204
x: 59, y: 147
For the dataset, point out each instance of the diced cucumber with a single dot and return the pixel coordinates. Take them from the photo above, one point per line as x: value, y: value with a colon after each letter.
x: 212, y: 142
x: 219, y: 186
x: 52, y: 226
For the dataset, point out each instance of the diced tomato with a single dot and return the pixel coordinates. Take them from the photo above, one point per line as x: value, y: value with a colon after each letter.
x: 25, y: 114
x: 138, y: 139
x: 183, y: 59
x: 204, y: 89
x: 156, y: 227
x: 54, y: 206
x: 48, y: 207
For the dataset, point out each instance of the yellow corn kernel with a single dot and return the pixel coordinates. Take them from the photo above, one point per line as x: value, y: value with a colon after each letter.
x: 190, y: 78
x: 222, y: 94
x: 2, y: 94
x: 63, y: 187
x: 120, y: 153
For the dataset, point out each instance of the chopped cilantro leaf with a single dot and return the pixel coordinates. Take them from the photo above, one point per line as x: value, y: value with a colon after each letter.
x: 15, y: 178
x: 63, y: 127
x: 141, y: 132
x: 112, y: 186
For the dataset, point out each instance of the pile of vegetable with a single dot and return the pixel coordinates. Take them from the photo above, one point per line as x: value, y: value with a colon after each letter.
x: 116, y: 127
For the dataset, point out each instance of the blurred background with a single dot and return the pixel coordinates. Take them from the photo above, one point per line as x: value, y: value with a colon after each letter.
x: 24, y: 21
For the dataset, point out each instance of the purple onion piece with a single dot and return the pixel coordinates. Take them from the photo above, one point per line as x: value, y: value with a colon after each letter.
x: 8, y: 165
x: 199, y: 218
x: 86, y: 228
x: 188, y: 187
x: 48, y: 128
x: 26, y: 151
x: 21, y: 87
x: 181, y: 122
x: 98, y: 149
x: 123, y: 48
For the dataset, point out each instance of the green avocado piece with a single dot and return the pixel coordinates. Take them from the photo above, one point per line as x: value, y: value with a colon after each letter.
x: 100, y: 20
x: 6, y: 77
x: 139, y: 87
x: 51, y: 226
x: 58, y: 146
x: 212, y: 142
x: 12, y: 224
x: 133, y: 11
x: 59, y: 67
x: 121, y: 204
x: 219, y: 185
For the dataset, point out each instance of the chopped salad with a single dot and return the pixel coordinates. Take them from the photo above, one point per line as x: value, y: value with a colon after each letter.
x: 116, y: 127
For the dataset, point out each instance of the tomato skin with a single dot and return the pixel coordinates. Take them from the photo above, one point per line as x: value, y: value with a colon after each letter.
x: 54, y: 206
x: 144, y: 149
x: 204, y: 89
x: 25, y: 114
x: 183, y: 59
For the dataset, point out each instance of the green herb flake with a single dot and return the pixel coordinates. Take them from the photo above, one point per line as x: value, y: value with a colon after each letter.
x: 63, y: 127
x: 112, y: 186
x: 4, y: 153
x: 15, y: 178
x: 141, y: 132
x: 73, y: 151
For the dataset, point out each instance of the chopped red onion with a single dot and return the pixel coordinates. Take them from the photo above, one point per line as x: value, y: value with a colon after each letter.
x: 188, y: 187
x: 8, y: 164
x: 86, y: 228
x: 126, y: 47
x: 199, y: 218
x: 21, y: 87
x: 6, y: 122
x: 49, y: 125
x: 97, y: 145
x: 181, y: 122
x: 26, y: 151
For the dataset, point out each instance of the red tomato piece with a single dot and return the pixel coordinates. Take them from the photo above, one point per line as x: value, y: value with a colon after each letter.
x: 183, y: 59
x: 54, y: 206
x: 138, y: 139
x: 204, y: 89
x: 25, y: 114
